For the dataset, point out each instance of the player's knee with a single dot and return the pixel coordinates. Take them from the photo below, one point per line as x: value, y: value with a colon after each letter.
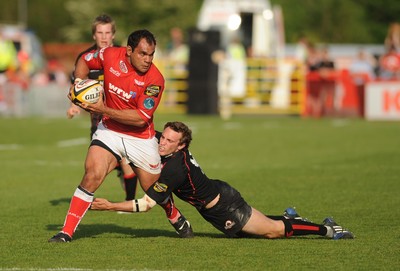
x: 277, y: 230
x: 92, y: 180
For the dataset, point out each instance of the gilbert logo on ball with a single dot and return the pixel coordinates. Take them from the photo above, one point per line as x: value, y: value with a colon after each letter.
x: 87, y: 91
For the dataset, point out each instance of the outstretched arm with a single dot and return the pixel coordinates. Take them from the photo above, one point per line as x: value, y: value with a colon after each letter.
x: 137, y: 205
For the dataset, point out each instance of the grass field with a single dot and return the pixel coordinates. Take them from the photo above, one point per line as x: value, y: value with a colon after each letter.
x: 345, y: 168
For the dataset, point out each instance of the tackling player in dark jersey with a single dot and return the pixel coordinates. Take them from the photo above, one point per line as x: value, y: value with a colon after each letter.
x: 218, y: 202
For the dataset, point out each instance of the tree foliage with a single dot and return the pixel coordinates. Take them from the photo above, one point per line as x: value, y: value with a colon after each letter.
x: 328, y: 21
x: 338, y: 21
x: 131, y: 15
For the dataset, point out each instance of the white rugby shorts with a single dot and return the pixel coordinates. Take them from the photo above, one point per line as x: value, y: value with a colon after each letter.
x: 142, y: 153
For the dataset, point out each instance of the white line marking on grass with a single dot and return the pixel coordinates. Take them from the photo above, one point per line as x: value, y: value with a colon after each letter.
x: 232, y: 126
x: 73, y: 142
x: 57, y: 163
x: 6, y: 147
x: 340, y: 123
x: 44, y: 269
x: 71, y: 269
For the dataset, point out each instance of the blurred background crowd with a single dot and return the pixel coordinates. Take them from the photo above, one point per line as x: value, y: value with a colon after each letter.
x: 305, y: 58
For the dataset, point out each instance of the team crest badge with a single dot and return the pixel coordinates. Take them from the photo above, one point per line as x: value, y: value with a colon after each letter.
x: 160, y: 187
x: 101, y: 53
x: 123, y: 67
x: 229, y: 224
x: 89, y: 57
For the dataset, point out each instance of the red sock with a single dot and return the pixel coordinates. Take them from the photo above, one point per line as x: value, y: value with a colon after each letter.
x: 170, y: 210
x: 80, y: 203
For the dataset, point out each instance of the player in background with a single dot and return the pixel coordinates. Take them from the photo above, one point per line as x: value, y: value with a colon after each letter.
x: 218, y: 202
x: 103, y: 31
x: 133, y: 87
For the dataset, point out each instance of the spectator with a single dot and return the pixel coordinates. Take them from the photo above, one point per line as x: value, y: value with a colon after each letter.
x: 8, y: 66
x: 362, y: 71
x: 392, y: 40
x: 390, y: 65
x: 178, y: 58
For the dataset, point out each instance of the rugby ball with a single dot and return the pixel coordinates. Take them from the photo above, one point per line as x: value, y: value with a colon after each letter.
x: 86, y: 91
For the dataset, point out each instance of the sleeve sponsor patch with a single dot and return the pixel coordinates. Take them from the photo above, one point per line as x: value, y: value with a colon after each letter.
x: 160, y: 187
x: 152, y: 90
x: 148, y: 103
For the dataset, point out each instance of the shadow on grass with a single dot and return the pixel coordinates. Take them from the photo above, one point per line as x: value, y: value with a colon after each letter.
x: 93, y: 230
x: 60, y: 201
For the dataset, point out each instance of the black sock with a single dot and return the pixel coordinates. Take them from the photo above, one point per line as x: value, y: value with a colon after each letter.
x: 130, y: 183
x: 295, y: 227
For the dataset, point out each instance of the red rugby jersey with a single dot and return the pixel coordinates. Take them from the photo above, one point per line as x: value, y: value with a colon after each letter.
x: 124, y: 88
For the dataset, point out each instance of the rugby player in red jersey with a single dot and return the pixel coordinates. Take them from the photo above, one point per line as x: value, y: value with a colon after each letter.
x: 103, y: 32
x: 133, y: 87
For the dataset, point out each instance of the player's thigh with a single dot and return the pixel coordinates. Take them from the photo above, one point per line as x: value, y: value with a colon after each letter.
x: 126, y: 167
x: 261, y: 225
x: 143, y: 154
x: 146, y: 179
x: 100, y: 159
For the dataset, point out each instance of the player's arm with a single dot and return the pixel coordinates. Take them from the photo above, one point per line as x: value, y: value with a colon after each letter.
x: 158, y: 193
x: 81, y: 72
x: 124, y: 116
x: 81, y: 69
x: 139, y: 116
x: 137, y: 205
x: 73, y: 110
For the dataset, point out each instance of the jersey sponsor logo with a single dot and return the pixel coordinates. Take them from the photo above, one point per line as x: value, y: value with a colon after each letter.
x: 119, y: 92
x: 123, y: 67
x: 133, y: 94
x: 160, y: 187
x: 74, y: 215
x: 152, y: 90
x: 139, y: 83
x: 115, y: 72
x: 229, y: 224
x: 148, y: 103
x: 154, y: 166
x: 89, y: 56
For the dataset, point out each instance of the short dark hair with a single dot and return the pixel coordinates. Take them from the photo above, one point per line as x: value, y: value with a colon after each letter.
x: 135, y: 37
x: 103, y: 19
x: 182, y: 128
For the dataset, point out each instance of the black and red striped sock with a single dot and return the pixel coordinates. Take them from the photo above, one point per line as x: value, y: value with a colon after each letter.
x: 295, y: 227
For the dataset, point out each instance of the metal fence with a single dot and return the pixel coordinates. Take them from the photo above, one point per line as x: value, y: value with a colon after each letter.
x: 262, y: 80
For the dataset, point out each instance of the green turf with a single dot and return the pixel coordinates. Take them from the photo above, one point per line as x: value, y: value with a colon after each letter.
x: 345, y: 168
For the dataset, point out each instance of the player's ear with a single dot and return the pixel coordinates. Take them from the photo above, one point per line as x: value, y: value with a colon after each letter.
x: 129, y: 50
x: 181, y: 146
